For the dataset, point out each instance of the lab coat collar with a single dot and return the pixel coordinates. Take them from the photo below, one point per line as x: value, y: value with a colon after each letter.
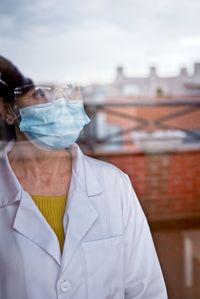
x: 80, y: 214
x: 87, y: 177
x: 30, y: 223
x: 11, y: 189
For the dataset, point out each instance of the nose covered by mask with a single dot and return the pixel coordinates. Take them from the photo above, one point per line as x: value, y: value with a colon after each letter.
x: 55, y: 125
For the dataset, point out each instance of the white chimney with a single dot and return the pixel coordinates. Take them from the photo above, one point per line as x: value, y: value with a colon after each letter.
x: 120, y: 70
x: 183, y: 72
x: 197, y: 69
x: 120, y: 74
x: 152, y: 72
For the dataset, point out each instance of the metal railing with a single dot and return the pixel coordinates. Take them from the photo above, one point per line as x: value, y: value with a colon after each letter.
x: 90, y: 137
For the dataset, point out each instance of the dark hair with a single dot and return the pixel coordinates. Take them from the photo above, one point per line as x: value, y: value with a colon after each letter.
x: 10, y: 78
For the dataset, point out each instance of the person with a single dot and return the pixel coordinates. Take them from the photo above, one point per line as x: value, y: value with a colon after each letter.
x: 71, y: 226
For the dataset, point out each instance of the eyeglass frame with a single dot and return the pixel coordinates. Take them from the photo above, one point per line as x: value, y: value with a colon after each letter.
x: 56, y: 88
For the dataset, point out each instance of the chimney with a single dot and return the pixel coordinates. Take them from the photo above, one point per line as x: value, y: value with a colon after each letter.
x: 183, y: 72
x: 120, y: 71
x: 152, y: 72
x: 119, y: 74
x: 197, y: 69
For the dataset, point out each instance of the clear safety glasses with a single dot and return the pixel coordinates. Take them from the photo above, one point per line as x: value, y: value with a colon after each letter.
x: 29, y: 95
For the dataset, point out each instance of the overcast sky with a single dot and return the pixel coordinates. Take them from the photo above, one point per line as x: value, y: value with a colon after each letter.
x: 84, y: 41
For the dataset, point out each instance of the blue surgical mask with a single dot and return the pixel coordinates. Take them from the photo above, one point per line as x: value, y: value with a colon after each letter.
x: 55, y: 125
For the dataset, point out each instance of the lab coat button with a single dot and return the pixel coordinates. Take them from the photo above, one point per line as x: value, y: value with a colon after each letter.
x: 65, y: 286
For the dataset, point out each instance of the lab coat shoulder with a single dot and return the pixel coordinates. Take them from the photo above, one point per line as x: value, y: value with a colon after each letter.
x: 107, y: 173
x: 103, y: 166
x: 117, y: 183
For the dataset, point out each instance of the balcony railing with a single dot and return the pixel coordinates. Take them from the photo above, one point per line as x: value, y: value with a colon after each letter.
x: 167, y: 115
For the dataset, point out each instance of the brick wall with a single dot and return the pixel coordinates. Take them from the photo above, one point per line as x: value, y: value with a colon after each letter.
x: 167, y: 184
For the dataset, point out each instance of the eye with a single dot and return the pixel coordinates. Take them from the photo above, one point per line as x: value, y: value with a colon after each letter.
x: 39, y: 94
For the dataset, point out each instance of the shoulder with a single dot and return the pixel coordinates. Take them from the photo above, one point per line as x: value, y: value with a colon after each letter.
x: 112, y: 178
x: 120, y: 198
x: 104, y: 167
x: 115, y: 180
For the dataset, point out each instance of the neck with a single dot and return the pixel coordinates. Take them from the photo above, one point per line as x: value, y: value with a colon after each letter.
x: 38, y: 171
x: 40, y: 162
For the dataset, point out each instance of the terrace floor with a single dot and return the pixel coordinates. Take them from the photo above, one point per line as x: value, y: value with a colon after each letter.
x: 179, y: 255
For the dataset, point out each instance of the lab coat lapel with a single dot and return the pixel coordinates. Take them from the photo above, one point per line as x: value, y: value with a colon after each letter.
x: 80, y: 211
x: 28, y: 219
x: 32, y: 225
x: 81, y: 216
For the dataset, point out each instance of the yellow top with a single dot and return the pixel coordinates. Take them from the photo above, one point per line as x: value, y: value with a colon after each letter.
x: 53, y: 209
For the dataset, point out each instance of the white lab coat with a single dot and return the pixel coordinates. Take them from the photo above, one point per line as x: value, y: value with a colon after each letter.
x: 108, y: 251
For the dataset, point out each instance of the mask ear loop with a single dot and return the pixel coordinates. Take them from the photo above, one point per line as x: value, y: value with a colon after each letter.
x: 15, y: 117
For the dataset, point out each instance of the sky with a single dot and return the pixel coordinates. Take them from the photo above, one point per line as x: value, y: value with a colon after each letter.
x: 84, y: 41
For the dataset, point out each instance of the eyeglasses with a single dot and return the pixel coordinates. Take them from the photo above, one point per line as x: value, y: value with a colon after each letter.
x: 37, y: 94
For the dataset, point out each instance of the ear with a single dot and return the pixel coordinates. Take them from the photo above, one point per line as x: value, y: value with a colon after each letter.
x: 5, y: 112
